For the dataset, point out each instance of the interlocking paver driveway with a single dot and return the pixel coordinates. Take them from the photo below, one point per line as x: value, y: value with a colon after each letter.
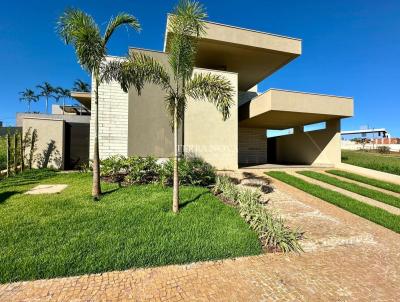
x: 347, y: 259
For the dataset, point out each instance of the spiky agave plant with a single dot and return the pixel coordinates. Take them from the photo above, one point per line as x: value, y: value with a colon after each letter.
x: 80, y: 30
x: 186, y: 25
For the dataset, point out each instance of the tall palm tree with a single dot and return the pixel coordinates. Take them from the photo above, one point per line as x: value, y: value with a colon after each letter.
x: 81, y: 86
x: 187, y: 26
x: 47, y: 91
x: 29, y: 96
x: 63, y: 94
x: 80, y: 30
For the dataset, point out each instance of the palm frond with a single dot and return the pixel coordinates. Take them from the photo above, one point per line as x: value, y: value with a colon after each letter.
x: 46, y: 89
x: 81, y: 86
x: 186, y: 25
x: 28, y: 95
x: 136, y: 70
x: 213, y: 88
x: 79, y: 29
x: 120, y: 19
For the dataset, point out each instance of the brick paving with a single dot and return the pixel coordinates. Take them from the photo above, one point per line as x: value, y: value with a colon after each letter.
x: 347, y: 258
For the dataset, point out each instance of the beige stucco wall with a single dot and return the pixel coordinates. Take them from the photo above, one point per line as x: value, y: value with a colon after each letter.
x: 50, y: 142
x: 252, y: 146
x: 207, y: 135
x: 321, y: 147
x: 149, y: 128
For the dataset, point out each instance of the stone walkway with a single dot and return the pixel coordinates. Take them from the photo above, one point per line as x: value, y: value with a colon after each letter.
x: 347, y: 258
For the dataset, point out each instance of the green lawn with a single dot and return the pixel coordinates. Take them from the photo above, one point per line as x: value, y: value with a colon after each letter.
x: 381, y: 162
x: 46, y: 236
x: 367, y: 180
x: 352, y: 187
x: 359, y: 208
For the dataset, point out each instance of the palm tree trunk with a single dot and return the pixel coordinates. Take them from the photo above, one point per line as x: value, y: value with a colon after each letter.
x: 63, y: 105
x: 47, y: 105
x: 29, y: 106
x: 96, y: 189
x: 175, y: 200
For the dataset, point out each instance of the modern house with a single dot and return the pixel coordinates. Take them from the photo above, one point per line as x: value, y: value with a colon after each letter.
x: 132, y: 124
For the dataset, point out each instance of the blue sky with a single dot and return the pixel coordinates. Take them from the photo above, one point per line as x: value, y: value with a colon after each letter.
x: 350, y: 48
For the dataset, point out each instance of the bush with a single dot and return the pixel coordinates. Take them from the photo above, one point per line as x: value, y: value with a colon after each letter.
x: 144, y: 170
x: 383, y: 149
x: 192, y: 171
x: 114, y: 168
x: 273, y: 233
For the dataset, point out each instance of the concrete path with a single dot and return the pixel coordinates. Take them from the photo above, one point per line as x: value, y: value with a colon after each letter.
x: 347, y: 258
x: 362, y: 198
x: 362, y: 184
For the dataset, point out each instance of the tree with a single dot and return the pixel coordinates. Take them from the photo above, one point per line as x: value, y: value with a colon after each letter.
x: 81, y: 86
x: 63, y: 94
x: 29, y: 96
x: 47, y: 91
x: 80, y: 30
x: 186, y: 26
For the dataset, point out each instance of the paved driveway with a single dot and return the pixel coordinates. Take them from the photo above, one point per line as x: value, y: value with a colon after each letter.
x: 347, y: 259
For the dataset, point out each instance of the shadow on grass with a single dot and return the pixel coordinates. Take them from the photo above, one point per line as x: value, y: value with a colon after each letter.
x: 5, y: 195
x: 26, y: 178
x: 187, y: 202
x: 109, y: 191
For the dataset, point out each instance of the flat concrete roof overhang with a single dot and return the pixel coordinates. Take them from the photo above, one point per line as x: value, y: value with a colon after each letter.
x: 82, y: 97
x: 252, y: 54
x: 281, y: 109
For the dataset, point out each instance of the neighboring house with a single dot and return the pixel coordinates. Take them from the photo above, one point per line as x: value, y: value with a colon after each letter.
x: 132, y: 124
x: 62, y: 139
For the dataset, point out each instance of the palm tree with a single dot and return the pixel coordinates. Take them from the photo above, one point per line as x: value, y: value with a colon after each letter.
x: 81, y: 86
x: 63, y: 94
x: 28, y: 95
x: 187, y: 26
x: 80, y: 30
x: 46, y: 91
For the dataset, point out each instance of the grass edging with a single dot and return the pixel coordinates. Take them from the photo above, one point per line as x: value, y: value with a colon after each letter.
x: 355, y: 188
x: 367, y: 180
x: 371, y: 213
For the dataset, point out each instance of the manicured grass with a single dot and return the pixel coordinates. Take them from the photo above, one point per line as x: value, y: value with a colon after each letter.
x: 352, y: 187
x: 375, y: 161
x: 359, y: 208
x: 45, y: 236
x: 367, y: 180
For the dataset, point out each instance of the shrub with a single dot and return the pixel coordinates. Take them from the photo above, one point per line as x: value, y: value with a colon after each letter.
x: 192, y: 171
x: 142, y: 170
x: 114, y: 168
x: 228, y: 189
x: 273, y: 233
x: 383, y: 149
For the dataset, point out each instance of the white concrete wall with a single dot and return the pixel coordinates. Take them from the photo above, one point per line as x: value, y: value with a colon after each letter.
x: 349, y: 145
x: 113, y: 121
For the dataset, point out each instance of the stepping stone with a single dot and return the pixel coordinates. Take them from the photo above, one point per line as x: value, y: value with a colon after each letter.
x: 46, y: 189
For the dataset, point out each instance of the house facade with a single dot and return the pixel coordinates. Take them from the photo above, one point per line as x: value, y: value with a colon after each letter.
x: 132, y: 124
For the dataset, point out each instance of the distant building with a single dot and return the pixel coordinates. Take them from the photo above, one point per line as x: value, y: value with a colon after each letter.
x: 386, y: 141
